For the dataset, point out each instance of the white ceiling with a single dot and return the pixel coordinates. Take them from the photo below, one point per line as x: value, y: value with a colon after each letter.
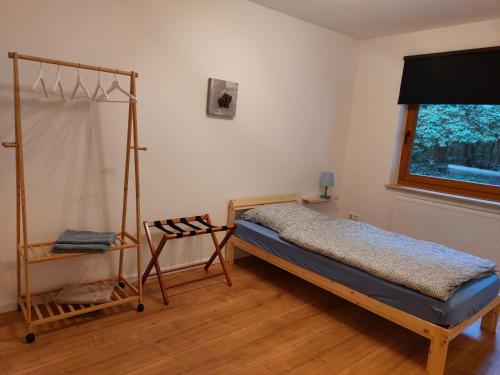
x: 366, y: 19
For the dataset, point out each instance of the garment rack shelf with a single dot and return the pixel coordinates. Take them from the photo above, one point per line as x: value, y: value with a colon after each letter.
x: 42, y: 251
x: 45, y: 309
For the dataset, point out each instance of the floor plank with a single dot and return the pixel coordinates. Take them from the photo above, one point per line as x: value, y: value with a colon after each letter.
x: 269, y: 322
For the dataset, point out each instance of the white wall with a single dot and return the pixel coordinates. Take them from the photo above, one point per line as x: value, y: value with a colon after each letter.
x: 376, y: 118
x: 294, y: 104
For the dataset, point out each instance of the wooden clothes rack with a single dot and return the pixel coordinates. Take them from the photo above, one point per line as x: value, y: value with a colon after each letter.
x: 180, y: 228
x: 42, y: 308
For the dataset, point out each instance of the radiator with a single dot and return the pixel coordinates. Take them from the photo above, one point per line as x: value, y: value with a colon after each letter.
x: 462, y: 228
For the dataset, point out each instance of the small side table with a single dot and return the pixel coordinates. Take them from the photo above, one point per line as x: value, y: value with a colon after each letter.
x: 326, y: 207
x: 317, y: 199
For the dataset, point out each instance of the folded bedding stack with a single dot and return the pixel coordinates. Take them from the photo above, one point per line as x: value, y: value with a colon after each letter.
x: 74, y: 241
x: 85, y: 294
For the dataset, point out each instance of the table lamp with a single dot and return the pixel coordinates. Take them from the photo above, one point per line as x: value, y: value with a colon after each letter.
x: 327, y: 179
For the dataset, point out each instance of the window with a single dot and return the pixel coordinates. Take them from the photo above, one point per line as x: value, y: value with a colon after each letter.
x: 451, y: 140
x: 453, y: 148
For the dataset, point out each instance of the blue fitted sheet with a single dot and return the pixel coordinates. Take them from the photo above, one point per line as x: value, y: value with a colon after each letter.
x: 467, y: 300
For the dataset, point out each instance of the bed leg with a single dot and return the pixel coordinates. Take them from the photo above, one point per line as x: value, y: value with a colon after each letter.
x: 490, y: 320
x: 230, y: 252
x: 437, y: 355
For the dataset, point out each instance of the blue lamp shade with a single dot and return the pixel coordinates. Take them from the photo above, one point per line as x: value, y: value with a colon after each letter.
x: 327, y: 179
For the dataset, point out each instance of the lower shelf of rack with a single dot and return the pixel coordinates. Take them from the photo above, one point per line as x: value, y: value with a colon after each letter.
x: 45, y: 309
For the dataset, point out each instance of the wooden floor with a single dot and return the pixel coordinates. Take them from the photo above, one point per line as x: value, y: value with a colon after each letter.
x: 269, y: 322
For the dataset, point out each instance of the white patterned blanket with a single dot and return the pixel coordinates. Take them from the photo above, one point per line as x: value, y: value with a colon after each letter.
x: 430, y: 268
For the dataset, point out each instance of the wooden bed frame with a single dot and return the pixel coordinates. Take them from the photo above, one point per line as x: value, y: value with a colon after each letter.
x: 439, y: 336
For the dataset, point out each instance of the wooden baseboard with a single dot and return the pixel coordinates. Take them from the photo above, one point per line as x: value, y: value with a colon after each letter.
x: 12, y: 306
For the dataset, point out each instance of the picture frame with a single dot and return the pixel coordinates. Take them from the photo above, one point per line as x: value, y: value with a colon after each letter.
x: 222, y: 98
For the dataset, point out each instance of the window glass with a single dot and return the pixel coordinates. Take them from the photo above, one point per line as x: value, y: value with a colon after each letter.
x: 458, y: 142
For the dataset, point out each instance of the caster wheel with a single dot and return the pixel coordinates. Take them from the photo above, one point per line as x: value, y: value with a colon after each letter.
x: 121, y: 284
x: 140, y: 307
x: 18, y: 307
x: 30, y: 337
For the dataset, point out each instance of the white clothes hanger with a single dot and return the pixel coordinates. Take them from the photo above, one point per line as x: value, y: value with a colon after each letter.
x: 115, y: 85
x: 100, y: 87
x: 40, y: 81
x: 80, y: 84
x: 58, y: 84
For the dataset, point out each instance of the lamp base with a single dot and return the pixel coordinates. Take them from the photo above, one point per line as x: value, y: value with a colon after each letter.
x: 325, y: 196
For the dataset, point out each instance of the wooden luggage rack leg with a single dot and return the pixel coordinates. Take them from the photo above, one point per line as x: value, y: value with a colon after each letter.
x: 175, y: 232
x: 218, y: 251
x: 155, y: 253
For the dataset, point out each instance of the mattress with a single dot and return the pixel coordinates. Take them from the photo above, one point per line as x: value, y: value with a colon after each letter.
x: 466, y: 301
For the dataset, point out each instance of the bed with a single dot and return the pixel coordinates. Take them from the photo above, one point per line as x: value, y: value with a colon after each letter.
x: 439, y: 321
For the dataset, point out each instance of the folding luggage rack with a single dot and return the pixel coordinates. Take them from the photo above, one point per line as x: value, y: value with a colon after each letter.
x: 180, y: 228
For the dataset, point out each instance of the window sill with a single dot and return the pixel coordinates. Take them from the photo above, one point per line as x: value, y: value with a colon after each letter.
x: 490, y: 206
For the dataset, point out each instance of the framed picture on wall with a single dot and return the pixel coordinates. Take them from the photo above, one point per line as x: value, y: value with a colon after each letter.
x: 222, y: 97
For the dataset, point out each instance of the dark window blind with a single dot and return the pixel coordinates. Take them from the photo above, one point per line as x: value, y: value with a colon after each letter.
x: 458, y: 77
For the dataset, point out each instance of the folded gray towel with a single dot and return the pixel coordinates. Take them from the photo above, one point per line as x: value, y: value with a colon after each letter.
x: 80, y: 248
x: 77, y: 241
x: 75, y: 237
x: 85, y: 294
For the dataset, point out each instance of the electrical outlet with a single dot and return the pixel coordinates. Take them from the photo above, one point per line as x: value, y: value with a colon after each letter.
x: 354, y: 216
